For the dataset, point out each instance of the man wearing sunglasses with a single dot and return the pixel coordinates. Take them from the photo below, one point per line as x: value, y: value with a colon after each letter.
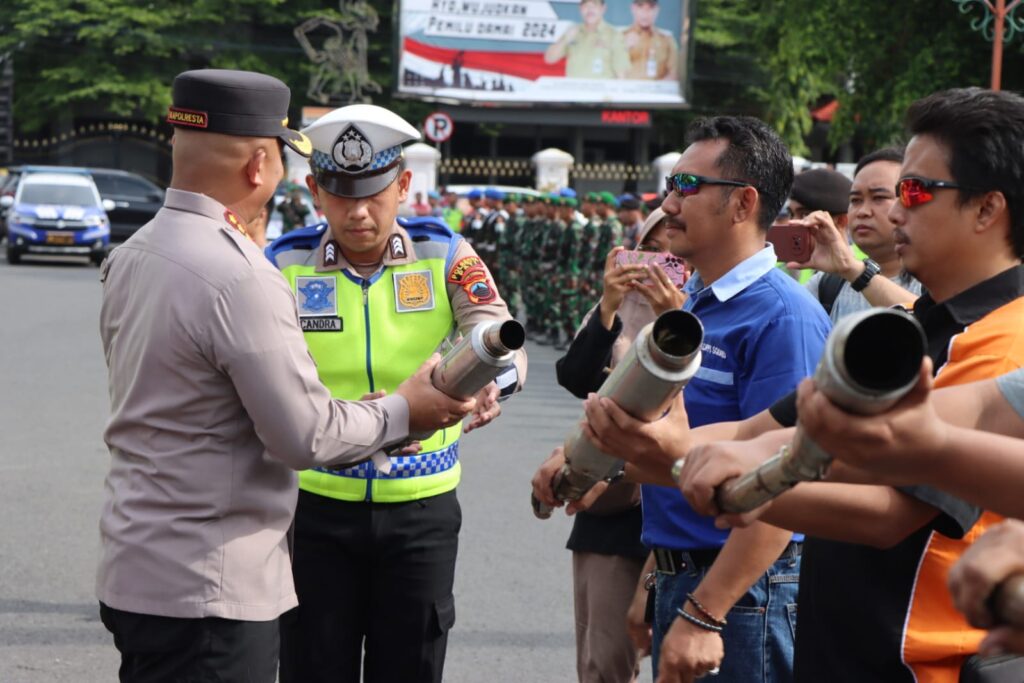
x: 873, y: 599
x: 844, y: 283
x: 725, y: 603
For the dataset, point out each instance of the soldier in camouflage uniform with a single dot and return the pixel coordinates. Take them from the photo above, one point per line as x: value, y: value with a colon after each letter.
x: 548, y: 283
x: 609, y: 235
x: 569, y: 309
x: 508, y: 256
x: 526, y: 255
x: 588, y: 246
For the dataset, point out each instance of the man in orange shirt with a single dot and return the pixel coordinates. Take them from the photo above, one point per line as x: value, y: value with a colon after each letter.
x: 873, y: 599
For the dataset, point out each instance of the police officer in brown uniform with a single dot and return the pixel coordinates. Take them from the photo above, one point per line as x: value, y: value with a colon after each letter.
x: 215, y: 400
x: 652, y: 51
x: 375, y: 547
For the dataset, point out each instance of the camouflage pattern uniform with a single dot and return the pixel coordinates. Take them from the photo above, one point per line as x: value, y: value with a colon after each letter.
x: 609, y: 236
x: 508, y: 261
x: 569, y: 272
x: 548, y: 282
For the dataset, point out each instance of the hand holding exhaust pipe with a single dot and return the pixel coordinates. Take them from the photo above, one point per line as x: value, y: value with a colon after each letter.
x: 855, y: 375
x: 892, y: 446
x: 987, y: 585
x: 707, y: 467
x: 473, y: 364
x: 664, y: 356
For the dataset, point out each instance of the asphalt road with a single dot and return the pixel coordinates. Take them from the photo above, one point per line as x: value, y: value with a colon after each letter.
x: 513, y: 587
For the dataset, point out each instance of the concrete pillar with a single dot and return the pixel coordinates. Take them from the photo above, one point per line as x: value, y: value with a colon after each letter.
x: 552, y: 166
x: 422, y: 160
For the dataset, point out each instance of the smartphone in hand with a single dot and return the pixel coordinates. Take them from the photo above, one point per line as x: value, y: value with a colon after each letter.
x: 791, y: 242
x: 673, y: 266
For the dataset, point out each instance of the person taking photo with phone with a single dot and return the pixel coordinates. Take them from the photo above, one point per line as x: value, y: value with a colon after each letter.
x: 847, y: 284
x: 607, y: 555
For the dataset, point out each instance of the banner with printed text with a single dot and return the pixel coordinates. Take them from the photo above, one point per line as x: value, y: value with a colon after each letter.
x: 609, y: 53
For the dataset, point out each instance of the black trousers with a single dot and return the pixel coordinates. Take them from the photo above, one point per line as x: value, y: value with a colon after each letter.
x: 375, y: 590
x: 170, y: 650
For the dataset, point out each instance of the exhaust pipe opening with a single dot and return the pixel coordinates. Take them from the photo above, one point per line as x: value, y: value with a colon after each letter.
x: 512, y: 335
x: 677, y: 334
x: 883, y: 352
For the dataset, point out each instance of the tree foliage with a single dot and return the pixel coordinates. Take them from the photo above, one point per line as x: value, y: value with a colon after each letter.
x: 876, y: 57
x: 771, y: 58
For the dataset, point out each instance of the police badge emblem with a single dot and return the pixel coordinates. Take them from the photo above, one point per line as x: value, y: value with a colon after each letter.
x: 352, y: 151
x: 318, y: 304
x: 414, y: 291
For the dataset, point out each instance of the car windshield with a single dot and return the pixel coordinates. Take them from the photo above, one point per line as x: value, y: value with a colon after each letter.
x: 66, y: 195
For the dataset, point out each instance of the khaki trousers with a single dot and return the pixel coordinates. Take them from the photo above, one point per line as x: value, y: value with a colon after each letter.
x: 603, y: 587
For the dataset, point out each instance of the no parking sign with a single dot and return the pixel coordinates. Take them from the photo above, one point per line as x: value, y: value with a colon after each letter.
x: 438, y: 127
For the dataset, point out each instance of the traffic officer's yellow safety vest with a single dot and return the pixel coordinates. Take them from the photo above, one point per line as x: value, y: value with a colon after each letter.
x: 372, y: 334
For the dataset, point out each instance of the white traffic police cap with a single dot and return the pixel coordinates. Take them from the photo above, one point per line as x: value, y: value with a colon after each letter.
x: 357, y: 149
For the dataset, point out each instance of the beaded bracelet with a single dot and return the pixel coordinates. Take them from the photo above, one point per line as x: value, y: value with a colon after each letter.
x: 700, y: 623
x: 704, y: 611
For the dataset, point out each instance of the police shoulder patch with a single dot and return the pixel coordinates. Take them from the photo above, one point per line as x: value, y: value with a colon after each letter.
x: 459, y: 271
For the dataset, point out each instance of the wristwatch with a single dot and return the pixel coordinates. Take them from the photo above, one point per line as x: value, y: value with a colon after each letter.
x: 871, y: 269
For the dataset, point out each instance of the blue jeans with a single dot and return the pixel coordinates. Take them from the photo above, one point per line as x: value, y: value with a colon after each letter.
x: 762, y: 625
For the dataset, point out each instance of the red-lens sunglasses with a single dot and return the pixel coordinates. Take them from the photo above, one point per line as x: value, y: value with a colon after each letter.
x: 914, y: 191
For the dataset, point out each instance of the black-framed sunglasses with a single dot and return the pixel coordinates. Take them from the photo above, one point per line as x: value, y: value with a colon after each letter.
x: 915, y: 191
x: 688, y: 184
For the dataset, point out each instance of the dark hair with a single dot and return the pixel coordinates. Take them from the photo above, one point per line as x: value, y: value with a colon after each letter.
x: 893, y: 154
x: 755, y: 155
x: 984, y: 132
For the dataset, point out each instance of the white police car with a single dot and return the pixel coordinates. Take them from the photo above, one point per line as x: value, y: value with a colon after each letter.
x: 57, y: 213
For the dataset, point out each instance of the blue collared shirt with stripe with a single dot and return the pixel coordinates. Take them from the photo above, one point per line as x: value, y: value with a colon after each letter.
x: 763, y: 333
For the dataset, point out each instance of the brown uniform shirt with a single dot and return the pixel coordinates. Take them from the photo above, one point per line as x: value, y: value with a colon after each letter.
x: 652, y: 53
x: 214, y: 401
x: 600, y: 53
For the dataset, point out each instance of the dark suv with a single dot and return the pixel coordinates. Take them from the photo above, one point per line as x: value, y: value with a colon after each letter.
x: 136, y: 200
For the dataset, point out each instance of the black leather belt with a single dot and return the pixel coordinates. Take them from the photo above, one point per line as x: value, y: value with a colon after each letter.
x: 672, y: 562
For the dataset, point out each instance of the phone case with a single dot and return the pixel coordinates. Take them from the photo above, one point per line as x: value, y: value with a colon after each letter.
x: 673, y: 266
x: 791, y: 242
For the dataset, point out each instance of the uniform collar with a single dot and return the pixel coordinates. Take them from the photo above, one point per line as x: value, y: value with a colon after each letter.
x: 742, y: 275
x: 193, y: 202
x: 399, y: 251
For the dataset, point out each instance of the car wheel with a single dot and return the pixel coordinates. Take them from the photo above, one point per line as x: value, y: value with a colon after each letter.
x: 97, y: 259
x: 13, y: 256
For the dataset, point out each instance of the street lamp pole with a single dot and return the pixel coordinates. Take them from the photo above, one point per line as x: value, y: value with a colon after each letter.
x: 993, y: 25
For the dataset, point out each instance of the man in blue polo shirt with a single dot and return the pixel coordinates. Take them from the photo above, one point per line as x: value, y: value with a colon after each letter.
x: 726, y: 603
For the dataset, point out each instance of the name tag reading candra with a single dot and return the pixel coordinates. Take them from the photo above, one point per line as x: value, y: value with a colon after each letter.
x: 321, y: 324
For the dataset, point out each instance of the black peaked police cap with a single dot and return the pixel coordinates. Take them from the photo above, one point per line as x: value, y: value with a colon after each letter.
x: 243, y: 103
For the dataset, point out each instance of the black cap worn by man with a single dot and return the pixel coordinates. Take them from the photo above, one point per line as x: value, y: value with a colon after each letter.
x: 822, y: 190
x: 242, y: 103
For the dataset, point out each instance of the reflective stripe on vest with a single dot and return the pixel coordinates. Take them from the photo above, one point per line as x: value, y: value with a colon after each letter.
x: 378, y: 347
x: 412, y: 477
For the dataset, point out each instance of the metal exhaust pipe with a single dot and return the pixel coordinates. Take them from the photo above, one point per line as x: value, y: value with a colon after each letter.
x: 479, y: 357
x: 664, y: 356
x: 871, y: 360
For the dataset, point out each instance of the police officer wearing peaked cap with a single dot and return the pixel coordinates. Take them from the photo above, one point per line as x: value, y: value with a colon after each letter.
x: 215, y: 401
x: 375, y: 544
